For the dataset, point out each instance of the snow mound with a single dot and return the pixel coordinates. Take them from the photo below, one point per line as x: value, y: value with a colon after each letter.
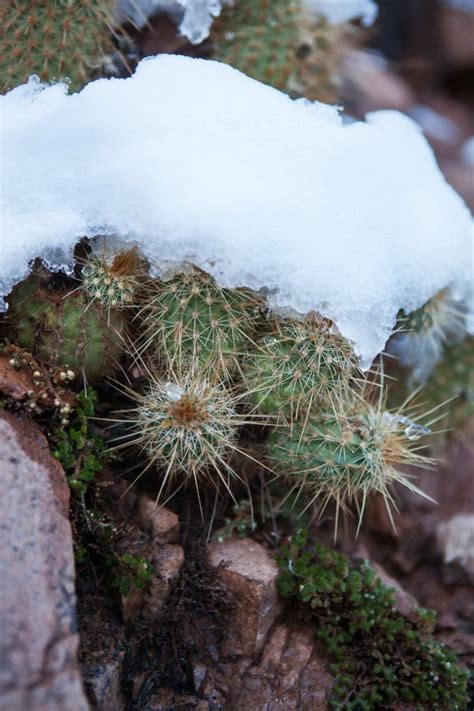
x: 339, y: 11
x: 196, y: 162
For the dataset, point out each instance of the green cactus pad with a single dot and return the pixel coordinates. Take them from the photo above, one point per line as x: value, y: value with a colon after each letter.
x: 189, y: 319
x: 347, y: 456
x: 54, y: 39
x: 61, y: 328
x: 300, y: 365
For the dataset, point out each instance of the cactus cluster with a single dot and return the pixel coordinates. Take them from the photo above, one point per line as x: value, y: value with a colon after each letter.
x: 54, y: 39
x: 214, y: 361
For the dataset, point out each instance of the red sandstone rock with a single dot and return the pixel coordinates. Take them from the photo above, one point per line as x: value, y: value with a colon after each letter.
x: 161, y: 523
x: 38, y: 642
x: 249, y: 573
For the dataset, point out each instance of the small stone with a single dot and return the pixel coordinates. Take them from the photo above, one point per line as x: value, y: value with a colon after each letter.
x: 456, y: 541
x: 249, y: 573
x: 160, y: 522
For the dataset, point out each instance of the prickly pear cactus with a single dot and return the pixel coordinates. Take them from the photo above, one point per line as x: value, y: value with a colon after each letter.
x: 259, y: 37
x: 299, y: 366
x: 189, y: 320
x: 54, y: 39
x: 348, y: 455
x: 66, y: 329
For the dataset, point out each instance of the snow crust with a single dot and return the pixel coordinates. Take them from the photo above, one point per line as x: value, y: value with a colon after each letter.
x: 197, y: 162
x: 340, y: 11
x: 194, y: 16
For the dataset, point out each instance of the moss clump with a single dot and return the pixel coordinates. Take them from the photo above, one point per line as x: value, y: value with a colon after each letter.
x: 81, y: 453
x: 379, y: 657
x: 54, y: 39
x: 61, y: 328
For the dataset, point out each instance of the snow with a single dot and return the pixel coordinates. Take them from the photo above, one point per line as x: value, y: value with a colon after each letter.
x: 340, y: 11
x: 195, y: 161
x: 467, y: 152
x: 195, y: 16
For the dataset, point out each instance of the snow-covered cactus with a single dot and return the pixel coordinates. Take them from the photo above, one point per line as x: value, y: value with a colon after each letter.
x: 300, y: 366
x: 65, y: 328
x: 54, y: 39
x: 186, y: 427
x: 189, y: 319
x: 348, y: 455
x: 115, y: 281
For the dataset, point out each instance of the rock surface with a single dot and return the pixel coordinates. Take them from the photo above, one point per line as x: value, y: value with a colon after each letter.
x: 249, y: 573
x: 38, y: 642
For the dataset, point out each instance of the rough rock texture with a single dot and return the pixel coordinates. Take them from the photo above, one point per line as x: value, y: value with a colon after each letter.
x: 13, y: 383
x: 456, y: 541
x: 260, y: 664
x: 103, y: 668
x: 38, y: 642
x: 249, y: 573
x: 161, y: 523
x: 289, y: 676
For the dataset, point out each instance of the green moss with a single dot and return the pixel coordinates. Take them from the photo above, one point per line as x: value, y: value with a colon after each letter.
x: 81, y: 453
x: 379, y: 657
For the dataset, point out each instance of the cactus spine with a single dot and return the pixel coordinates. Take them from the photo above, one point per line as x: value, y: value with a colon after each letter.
x: 116, y: 281
x: 190, y: 320
x: 186, y: 427
x: 299, y: 366
x: 345, y: 456
x: 54, y: 39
